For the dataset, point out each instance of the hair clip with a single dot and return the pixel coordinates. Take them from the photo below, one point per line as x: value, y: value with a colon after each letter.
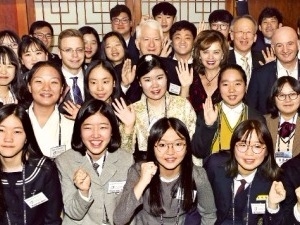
x: 148, y: 58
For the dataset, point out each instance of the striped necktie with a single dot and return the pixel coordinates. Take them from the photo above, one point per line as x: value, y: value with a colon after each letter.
x: 76, y: 91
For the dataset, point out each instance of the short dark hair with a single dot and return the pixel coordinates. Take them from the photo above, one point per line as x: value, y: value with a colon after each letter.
x: 165, y: 8
x: 118, y: 9
x: 276, y: 89
x: 232, y: 67
x: 245, y: 129
x: 27, y: 41
x: 221, y: 15
x: 185, y: 180
x: 270, y: 12
x: 24, y: 95
x: 88, y: 109
x: 183, y: 25
x: 147, y: 63
x: 11, y: 35
x: 38, y: 25
x: 106, y: 65
x: 203, y: 41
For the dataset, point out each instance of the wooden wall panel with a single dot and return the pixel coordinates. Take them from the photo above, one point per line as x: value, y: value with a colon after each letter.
x: 288, y: 8
x: 8, y: 14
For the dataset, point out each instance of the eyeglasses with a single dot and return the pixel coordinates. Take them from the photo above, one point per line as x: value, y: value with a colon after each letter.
x: 70, y: 51
x: 242, y: 33
x: 178, y: 146
x: 292, y: 96
x: 13, y: 45
x: 117, y: 21
x: 243, y: 147
x: 41, y: 35
x: 221, y: 26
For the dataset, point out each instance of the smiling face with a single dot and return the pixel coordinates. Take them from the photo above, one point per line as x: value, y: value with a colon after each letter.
x: 45, y: 87
x: 232, y: 87
x: 72, y: 54
x: 122, y: 24
x: 249, y: 161
x: 287, y: 107
x: 211, y: 57
x: 183, y: 41
x: 96, y: 133
x: 243, y: 35
x: 32, y: 56
x: 268, y: 26
x: 150, y: 41
x: 114, y: 50
x: 12, y: 138
x: 7, y: 72
x: 101, y: 83
x: 154, y: 84
x: 170, y: 160
x: 90, y: 46
x: 285, y: 45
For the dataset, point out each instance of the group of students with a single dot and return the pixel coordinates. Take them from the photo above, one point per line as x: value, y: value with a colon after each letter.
x: 117, y: 132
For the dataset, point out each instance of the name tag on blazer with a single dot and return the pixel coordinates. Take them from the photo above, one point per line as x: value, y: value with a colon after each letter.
x: 258, y: 208
x: 115, y: 187
x: 36, y: 200
x: 262, y: 198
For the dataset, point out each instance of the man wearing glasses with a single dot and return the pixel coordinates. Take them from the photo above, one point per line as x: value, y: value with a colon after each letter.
x: 71, y: 52
x: 243, y: 34
x: 44, y: 31
x: 121, y: 22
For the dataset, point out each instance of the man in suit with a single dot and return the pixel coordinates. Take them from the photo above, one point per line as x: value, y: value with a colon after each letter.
x: 269, y: 20
x: 243, y: 35
x: 285, y: 47
x: 71, y: 52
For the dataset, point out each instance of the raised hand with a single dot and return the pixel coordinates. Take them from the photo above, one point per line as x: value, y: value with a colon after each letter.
x: 210, y: 112
x: 128, y: 73
x: 82, y: 181
x: 201, y: 26
x: 72, y: 109
x: 276, y: 195
x: 167, y: 48
x: 269, y: 56
x: 125, y: 113
x: 184, y: 74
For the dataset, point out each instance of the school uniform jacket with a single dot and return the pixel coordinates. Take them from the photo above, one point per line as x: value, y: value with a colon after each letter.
x: 79, y: 211
x: 222, y: 189
x: 273, y: 128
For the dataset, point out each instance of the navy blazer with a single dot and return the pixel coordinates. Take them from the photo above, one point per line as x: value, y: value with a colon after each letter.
x: 222, y: 187
x: 256, y: 57
x: 291, y: 180
x: 260, y: 86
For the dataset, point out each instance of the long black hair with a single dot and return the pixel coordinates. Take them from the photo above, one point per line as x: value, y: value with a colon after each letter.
x: 185, y: 181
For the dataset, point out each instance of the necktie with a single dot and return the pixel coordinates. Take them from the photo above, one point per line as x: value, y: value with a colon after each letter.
x: 241, y: 187
x: 76, y: 91
x: 246, y: 68
x: 286, y: 129
x: 95, y: 166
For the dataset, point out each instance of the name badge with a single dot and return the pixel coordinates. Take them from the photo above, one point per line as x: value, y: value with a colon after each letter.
x: 175, y: 89
x: 36, y: 200
x: 282, y: 157
x: 258, y: 208
x: 261, y: 197
x: 115, y: 187
x: 180, y: 195
x: 56, y: 151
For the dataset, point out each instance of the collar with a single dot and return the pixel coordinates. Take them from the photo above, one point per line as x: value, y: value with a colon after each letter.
x: 267, y: 41
x: 99, y: 161
x: 190, y: 60
x: 282, y: 71
x: 292, y: 120
x: 239, y: 56
x: 248, y: 178
x: 238, y: 109
x: 69, y: 75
